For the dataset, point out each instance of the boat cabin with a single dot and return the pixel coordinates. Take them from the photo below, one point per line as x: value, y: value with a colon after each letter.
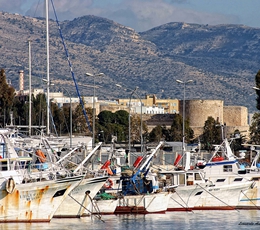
x: 181, y: 178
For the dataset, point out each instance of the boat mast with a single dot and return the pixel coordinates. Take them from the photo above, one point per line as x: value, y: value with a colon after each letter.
x: 30, y: 90
x: 48, y: 65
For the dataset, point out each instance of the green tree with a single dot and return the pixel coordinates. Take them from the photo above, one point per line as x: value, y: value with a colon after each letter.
x: 166, y: 133
x: 7, y: 94
x: 176, y: 131
x: 122, y: 117
x: 66, y: 120
x: 238, y: 141
x: 79, y: 121
x: 254, y: 129
x: 156, y: 134
x: 106, y: 117
x: 176, y: 128
x: 113, y: 124
x: 117, y: 124
x: 57, y: 116
x: 136, y: 128
x: 39, y: 110
x: 257, y: 82
x: 17, y: 108
x: 211, y: 133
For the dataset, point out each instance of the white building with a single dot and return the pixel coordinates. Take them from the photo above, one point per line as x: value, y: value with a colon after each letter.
x: 148, y: 110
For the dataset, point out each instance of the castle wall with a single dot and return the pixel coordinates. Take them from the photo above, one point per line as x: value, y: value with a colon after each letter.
x: 235, y: 115
x: 198, y: 111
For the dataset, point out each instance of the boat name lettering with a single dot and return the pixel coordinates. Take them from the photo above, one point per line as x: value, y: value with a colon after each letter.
x: 31, y: 196
x: 79, y: 189
x: 214, y: 189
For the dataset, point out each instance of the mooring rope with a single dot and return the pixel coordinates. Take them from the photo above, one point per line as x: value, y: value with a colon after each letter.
x: 218, y: 198
x: 97, y: 216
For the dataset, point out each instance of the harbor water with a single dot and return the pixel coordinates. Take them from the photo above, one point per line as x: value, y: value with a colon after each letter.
x: 242, y: 219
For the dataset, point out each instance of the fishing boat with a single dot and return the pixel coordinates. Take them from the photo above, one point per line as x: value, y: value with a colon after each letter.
x: 102, y: 204
x: 222, y: 197
x: 140, y: 190
x: 184, y: 188
x: 195, y: 192
x: 77, y: 202
x: 26, y: 198
x: 79, y: 199
x: 196, y: 189
x: 224, y: 168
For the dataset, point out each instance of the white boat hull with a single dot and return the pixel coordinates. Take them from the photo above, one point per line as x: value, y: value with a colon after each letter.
x: 184, y: 198
x: 77, y: 202
x: 34, y: 202
x: 103, y: 207
x: 223, y: 197
x: 250, y: 199
x: 150, y: 203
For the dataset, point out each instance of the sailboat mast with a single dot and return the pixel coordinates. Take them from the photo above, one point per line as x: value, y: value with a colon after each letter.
x: 30, y: 90
x: 48, y: 66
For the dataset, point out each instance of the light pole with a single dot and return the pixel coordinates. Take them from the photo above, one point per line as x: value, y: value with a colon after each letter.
x: 141, y: 119
x: 129, y: 118
x: 183, y: 113
x: 94, y: 108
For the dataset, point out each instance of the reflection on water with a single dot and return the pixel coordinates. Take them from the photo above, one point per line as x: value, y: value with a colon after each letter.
x: 242, y: 219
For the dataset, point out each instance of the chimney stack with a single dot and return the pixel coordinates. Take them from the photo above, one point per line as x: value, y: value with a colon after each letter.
x: 21, y: 80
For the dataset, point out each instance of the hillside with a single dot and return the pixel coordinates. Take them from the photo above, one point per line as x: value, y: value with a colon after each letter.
x: 222, y: 60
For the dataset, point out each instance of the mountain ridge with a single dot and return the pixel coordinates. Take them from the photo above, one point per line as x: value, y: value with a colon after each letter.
x: 221, y: 60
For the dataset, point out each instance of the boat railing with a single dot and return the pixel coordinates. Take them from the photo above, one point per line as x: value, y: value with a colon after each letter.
x: 41, y: 171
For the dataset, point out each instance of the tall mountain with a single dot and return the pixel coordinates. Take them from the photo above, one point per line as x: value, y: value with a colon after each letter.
x: 222, y: 60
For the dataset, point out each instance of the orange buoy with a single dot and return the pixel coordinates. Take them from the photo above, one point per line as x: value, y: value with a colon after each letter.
x: 177, y: 160
x: 109, y: 171
x: 137, y: 161
x: 41, y: 156
x: 217, y: 158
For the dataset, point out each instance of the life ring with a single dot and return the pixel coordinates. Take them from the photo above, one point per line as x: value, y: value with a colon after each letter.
x: 10, y: 185
x: 109, y: 183
x: 41, y: 156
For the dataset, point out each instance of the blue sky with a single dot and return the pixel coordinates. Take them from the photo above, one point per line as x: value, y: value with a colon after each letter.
x: 142, y: 15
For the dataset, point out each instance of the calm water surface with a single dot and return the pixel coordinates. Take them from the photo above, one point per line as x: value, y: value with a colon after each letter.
x: 171, y: 220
